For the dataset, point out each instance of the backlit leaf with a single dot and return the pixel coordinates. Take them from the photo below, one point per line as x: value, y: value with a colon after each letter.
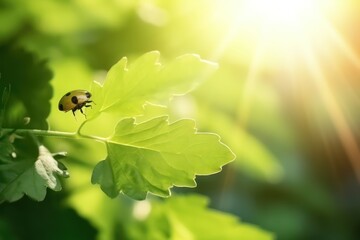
x: 154, y: 156
x: 128, y: 87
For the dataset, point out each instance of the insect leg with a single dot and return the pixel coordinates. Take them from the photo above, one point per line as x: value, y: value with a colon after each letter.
x: 82, y: 112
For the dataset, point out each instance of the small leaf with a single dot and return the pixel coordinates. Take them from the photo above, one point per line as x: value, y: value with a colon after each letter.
x: 155, y: 155
x: 27, y: 172
x: 47, y: 167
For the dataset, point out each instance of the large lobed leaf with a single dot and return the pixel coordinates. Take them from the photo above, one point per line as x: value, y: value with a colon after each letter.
x: 128, y: 87
x: 155, y: 155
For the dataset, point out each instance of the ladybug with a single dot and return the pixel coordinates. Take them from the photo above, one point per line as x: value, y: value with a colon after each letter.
x: 75, y: 100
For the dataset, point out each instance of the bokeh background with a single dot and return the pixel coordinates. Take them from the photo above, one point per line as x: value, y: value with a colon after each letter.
x: 285, y: 99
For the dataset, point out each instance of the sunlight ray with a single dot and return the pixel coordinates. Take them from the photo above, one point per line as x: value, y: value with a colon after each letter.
x: 343, y: 44
x: 286, y: 31
x: 225, y: 42
x: 252, y: 80
x: 334, y: 110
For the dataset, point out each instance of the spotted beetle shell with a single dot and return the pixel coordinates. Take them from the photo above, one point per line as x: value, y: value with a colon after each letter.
x: 74, y: 100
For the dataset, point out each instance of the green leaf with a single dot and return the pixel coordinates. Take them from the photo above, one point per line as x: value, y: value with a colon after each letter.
x: 155, y: 155
x: 26, y: 171
x: 127, y: 88
x: 48, y: 168
x: 188, y: 217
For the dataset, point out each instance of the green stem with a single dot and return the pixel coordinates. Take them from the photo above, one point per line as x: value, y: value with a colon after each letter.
x: 45, y: 133
x: 49, y: 133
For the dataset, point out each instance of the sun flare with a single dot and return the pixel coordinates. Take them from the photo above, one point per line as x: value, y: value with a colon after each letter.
x: 281, y: 12
x: 284, y: 21
x: 276, y: 26
x: 300, y: 42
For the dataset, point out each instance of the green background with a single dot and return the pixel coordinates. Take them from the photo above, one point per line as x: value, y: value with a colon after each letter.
x: 293, y: 175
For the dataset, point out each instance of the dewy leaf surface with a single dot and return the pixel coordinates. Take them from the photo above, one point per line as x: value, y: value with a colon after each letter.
x: 154, y: 156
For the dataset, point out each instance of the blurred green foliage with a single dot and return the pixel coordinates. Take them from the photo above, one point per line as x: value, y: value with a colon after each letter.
x: 25, y: 74
x: 283, y: 179
x: 184, y: 218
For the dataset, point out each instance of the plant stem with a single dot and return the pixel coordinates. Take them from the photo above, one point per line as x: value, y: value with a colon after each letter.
x: 49, y: 133
x: 44, y: 133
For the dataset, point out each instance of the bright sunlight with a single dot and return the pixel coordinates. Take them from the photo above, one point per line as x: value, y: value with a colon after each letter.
x: 263, y: 95
x: 293, y: 36
x: 281, y: 12
x: 295, y: 39
x: 280, y: 24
